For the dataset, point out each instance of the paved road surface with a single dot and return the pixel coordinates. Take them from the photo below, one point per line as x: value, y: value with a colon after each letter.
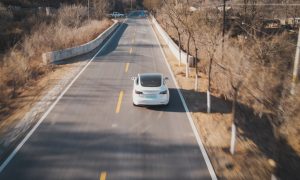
x: 92, y: 133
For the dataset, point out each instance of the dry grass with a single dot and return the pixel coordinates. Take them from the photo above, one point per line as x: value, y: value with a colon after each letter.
x: 23, y: 63
x: 267, y: 114
x: 255, y: 141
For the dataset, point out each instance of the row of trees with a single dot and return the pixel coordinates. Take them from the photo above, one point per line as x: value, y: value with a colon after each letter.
x: 253, y: 72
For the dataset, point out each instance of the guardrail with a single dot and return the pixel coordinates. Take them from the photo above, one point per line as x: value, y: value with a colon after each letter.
x: 171, y: 44
x: 54, y: 56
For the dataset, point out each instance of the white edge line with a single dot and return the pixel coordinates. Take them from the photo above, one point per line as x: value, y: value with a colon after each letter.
x: 197, y: 136
x: 15, y: 151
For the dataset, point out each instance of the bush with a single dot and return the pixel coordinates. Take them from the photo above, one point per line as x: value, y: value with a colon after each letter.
x: 24, y: 63
x: 72, y: 15
x: 5, y: 15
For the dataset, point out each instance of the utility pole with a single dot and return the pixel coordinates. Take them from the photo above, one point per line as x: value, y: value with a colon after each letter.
x: 296, y: 65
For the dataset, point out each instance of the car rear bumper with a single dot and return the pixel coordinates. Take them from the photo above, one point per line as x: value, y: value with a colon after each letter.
x: 161, y: 100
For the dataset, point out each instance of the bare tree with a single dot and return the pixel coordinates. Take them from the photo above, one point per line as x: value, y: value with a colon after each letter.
x: 186, y: 21
x: 196, y: 31
x: 152, y: 5
x: 251, y: 15
x: 100, y: 8
x: 171, y: 10
x: 211, y: 39
x: 255, y: 73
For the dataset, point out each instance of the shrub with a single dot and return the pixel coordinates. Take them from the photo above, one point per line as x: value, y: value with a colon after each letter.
x: 24, y: 63
x: 72, y: 15
x: 5, y: 15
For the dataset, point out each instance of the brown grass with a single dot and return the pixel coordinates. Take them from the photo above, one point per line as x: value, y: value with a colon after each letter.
x: 266, y: 115
x: 23, y: 63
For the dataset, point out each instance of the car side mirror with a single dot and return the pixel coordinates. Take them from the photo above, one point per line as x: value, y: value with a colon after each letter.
x: 133, y: 78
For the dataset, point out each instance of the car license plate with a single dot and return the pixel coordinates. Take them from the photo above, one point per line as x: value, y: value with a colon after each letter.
x: 150, y: 95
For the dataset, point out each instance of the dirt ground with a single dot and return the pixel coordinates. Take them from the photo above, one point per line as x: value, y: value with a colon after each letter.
x: 249, y: 161
x: 27, y: 98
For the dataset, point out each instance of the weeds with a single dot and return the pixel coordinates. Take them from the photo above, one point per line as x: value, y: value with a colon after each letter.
x: 23, y: 63
x: 252, y: 71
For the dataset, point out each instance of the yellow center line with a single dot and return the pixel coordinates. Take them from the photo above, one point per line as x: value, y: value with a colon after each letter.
x: 103, y: 175
x: 130, y: 51
x: 119, y: 102
x: 126, y: 67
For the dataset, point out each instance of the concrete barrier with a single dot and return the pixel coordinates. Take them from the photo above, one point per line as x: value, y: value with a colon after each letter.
x: 54, y: 56
x: 171, y: 44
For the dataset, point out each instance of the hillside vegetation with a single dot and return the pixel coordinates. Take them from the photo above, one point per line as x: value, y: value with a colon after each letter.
x: 253, y: 72
x: 22, y: 63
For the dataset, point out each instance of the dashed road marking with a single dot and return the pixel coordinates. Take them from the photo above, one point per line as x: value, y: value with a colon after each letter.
x: 126, y: 67
x: 103, y: 175
x: 119, y: 102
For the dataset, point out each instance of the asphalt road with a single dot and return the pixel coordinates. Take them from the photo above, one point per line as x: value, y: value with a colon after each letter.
x: 94, y: 131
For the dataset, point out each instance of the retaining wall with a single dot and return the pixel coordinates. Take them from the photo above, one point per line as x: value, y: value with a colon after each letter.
x: 171, y: 44
x: 54, y: 56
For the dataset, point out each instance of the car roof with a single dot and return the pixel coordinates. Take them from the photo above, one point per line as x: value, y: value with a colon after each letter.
x: 150, y: 74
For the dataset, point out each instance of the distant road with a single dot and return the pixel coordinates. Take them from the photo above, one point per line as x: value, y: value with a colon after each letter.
x: 94, y: 131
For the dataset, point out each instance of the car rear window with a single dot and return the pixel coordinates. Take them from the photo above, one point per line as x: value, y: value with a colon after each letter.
x: 151, y: 80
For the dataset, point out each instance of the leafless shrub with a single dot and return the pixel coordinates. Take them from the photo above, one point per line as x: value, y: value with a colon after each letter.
x: 100, y: 8
x: 253, y: 71
x: 152, y: 5
x: 23, y: 62
x: 171, y: 14
x: 15, y: 71
x: 5, y: 15
x: 72, y: 15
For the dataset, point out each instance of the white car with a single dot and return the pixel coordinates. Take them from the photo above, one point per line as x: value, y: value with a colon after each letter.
x: 117, y: 15
x: 150, y: 89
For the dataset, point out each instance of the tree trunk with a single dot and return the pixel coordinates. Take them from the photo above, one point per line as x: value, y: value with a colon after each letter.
x: 208, y: 88
x: 208, y: 102
x: 196, y: 69
x: 276, y: 150
x: 233, y: 126
x: 233, y: 138
x: 187, y: 56
x: 179, y: 42
x: 196, y: 81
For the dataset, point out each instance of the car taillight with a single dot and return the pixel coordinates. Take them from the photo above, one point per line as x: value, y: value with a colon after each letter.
x: 138, y: 92
x: 163, y: 92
